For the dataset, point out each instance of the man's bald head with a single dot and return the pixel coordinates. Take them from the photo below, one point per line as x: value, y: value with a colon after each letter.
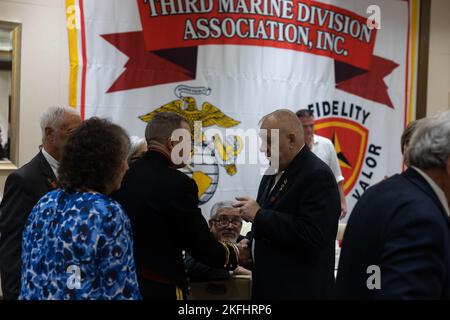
x: 286, y: 121
x: 290, y: 132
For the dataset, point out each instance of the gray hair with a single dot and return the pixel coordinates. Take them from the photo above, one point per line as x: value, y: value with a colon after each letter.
x: 53, y: 116
x: 305, y: 113
x: 135, y: 144
x: 162, y: 125
x: 407, y: 134
x: 219, y: 205
x: 430, y: 144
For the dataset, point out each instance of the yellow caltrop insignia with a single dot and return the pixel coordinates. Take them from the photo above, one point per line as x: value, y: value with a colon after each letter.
x: 351, y: 143
x: 204, y: 168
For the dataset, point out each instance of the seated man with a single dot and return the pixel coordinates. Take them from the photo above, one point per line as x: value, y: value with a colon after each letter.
x: 225, y: 224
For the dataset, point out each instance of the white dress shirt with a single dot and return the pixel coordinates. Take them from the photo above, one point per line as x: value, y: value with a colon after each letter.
x: 324, y: 149
x: 54, y: 164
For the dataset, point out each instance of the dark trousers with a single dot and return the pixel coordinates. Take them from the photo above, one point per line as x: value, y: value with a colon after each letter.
x: 10, y: 285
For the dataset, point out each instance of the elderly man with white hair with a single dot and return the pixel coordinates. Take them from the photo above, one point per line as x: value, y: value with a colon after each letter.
x: 23, y: 189
x: 397, y: 241
x: 225, y: 223
x: 138, y: 147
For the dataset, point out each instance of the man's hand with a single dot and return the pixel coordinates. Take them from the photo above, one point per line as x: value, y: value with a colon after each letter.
x: 343, y: 200
x: 343, y: 209
x: 241, y: 271
x: 245, y: 257
x: 248, y: 208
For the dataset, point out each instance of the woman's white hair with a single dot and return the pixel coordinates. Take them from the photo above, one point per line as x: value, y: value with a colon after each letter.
x: 135, y: 144
x: 430, y: 144
x: 53, y: 116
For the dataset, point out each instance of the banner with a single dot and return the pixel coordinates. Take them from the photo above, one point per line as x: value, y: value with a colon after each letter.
x: 224, y: 64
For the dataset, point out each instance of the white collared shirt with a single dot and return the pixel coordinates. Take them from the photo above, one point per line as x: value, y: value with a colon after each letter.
x: 54, y: 164
x: 277, y: 178
x: 437, y: 190
x: 324, y: 149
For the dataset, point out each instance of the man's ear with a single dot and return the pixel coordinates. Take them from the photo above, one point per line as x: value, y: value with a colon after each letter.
x: 48, y: 131
x: 169, y: 144
x: 292, y: 139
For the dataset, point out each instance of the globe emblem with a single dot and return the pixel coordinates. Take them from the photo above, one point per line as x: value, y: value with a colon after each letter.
x: 204, y: 169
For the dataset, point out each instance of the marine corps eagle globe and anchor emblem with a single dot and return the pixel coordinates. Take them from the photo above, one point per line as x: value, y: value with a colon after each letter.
x: 207, y: 153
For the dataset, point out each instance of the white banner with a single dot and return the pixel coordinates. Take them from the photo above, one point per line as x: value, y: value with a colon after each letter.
x: 227, y: 63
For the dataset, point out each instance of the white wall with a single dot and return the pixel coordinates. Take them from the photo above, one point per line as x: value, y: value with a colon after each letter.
x: 438, y: 97
x: 44, y: 64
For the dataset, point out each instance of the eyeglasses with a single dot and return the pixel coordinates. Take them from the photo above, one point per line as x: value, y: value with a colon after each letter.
x: 223, y: 222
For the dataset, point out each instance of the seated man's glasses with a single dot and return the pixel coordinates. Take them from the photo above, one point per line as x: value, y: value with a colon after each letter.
x: 223, y: 221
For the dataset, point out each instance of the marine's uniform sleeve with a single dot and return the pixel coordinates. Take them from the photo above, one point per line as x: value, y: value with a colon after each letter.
x: 198, y: 271
x: 193, y: 229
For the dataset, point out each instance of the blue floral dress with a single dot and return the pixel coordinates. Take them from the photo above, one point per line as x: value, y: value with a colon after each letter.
x: 78, y: 245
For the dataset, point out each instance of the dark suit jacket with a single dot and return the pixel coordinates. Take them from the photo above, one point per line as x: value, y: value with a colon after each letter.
x: 400, y: 226
x: 23, y: 189
x: 295, y: 232
x: 162, y: 204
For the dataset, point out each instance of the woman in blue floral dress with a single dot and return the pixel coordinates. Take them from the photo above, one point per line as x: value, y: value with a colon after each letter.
x: 77, y: 243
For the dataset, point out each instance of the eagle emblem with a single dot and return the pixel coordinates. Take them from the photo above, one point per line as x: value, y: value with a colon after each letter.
x: 206, y: 175
x: 209, y: 115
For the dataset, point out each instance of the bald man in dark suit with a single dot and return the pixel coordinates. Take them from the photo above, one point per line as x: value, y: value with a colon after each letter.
x: 295, y: 218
